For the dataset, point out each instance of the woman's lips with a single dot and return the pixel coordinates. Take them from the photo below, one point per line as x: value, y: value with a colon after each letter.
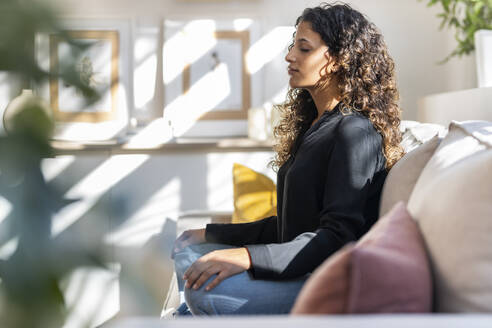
x: 291, y: 71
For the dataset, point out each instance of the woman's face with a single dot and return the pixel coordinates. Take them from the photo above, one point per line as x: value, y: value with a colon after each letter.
x: 308, y: 58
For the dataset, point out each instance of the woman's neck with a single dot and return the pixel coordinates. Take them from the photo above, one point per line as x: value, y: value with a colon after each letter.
x: 325, y: 98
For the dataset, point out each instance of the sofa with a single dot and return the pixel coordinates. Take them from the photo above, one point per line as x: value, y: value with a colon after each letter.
x: 444, y: 185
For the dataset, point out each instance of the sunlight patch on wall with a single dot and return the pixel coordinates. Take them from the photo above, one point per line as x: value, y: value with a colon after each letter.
x: 199, y: 37
x: 51, y: 168
x: 193, y: 41
x: 145, y: 71
x: 277, y: 99
x: 209, y: 97
x: 7, y: 249
x: 150, y: 219
x: 242, y: 24
x: 268, y: 47
x: 219, y: 180
x: 93, y: 295
x: 153, y: 135
x: 280, y: 96
x: 5, y: 208
x: 90, y: 189
x: 173, y: 62
x: 4, y: 96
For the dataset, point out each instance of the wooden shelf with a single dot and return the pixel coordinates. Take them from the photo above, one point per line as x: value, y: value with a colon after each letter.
x: 172, y: 146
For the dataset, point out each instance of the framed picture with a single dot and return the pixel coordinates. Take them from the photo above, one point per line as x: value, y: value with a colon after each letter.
x: 208, y: 86
x: 98, y: 68
x: 103, y: 64
x: 224, y: 66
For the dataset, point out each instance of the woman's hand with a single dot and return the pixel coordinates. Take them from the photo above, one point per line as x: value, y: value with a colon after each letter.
x: 224, y: 263
x: 187, y: 238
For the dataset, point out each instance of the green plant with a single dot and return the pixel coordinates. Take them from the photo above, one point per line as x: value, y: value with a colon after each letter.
x: 466, y: 17
x: 20, y: 21
x: 31, y: 278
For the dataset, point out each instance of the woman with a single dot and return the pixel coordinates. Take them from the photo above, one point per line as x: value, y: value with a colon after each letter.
x: 338, y: 137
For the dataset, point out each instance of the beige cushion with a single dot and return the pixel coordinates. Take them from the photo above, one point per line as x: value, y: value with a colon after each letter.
x: 404, y: 174
x: 452, y: 202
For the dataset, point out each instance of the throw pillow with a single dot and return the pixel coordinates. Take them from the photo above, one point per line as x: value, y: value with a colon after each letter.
x: 387, y: 271
x: 255, y: 195
x: 452, y: 204
x: 404, y: 174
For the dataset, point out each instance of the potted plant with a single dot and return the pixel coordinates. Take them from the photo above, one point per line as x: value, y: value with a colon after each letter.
x: 472, y: 22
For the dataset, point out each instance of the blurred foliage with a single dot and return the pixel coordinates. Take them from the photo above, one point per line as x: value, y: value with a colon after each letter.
x: 20, y: 21
x: 30, y: 278
x: 465, y: 17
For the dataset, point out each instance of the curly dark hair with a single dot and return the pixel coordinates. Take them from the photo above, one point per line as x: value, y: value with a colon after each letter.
x: 366, y: 76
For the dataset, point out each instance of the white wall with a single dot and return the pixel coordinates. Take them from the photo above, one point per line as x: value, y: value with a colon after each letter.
x: 409, y: 27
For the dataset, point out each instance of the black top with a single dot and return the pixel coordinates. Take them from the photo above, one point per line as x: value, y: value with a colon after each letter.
x: 328, y: 195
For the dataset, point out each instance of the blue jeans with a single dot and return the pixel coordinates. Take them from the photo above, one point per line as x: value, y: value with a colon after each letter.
x: 237, y: 295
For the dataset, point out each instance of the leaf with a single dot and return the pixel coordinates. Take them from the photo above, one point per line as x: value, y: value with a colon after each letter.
x: 454, y: 22
x: 478, y: 7
x: 445, y: 5
x: 465, y: 17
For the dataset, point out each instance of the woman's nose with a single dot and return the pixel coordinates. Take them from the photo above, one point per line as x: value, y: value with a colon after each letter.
x: 289, y: 57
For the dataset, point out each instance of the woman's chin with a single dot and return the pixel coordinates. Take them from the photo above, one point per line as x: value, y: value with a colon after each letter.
x: 293, y: 84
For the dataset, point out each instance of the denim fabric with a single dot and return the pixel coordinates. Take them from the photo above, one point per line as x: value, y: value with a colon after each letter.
x: 238, y: 294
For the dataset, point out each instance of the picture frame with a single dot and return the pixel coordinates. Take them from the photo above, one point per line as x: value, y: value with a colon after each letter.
x: 59, y: 93
x: 208, y: 87
x: 104, y: 65
x: 241, y: 90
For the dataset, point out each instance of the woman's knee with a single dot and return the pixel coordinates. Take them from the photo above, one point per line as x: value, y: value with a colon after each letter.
x: 197, y: 301
x: 201, y: 302
x: 222, y: 300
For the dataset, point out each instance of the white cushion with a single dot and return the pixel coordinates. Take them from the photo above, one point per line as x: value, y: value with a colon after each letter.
x: 403, y: 175
x: 452, y: 202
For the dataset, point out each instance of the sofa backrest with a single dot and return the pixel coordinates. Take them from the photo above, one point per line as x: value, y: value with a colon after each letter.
x: 419, y: 140
x: 403, y: 175
x: 452, y: 204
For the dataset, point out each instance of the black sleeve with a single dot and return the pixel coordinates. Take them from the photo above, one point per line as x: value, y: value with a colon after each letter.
x: 350, y: 167
x: 259, y: 232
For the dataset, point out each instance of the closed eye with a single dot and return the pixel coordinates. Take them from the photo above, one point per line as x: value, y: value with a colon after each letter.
x: 304, y: 50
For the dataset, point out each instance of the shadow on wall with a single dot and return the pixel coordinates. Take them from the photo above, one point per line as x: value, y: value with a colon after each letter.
x: 131, y: 203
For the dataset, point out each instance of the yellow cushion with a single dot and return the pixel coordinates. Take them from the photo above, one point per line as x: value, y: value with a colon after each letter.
x: 255, y: 195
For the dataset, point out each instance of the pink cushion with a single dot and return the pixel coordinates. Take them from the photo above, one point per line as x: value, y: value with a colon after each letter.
x: 387, y: 271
